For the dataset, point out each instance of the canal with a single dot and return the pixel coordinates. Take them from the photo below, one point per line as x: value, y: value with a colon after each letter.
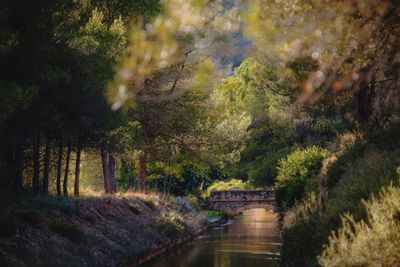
x: 252, y: 239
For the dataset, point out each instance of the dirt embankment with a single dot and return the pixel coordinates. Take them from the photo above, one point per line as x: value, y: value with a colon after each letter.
x: 114, y: 231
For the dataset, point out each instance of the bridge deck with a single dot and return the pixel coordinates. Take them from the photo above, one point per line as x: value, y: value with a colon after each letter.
x: 238, y: 200
x: 266, y: 195
x: 241, y: 198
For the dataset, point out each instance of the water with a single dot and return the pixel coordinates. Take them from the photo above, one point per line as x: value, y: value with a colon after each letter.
x: 251, y: 240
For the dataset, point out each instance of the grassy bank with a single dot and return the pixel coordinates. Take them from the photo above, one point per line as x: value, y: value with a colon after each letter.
x: 92, y: 231
x: 347, y: 199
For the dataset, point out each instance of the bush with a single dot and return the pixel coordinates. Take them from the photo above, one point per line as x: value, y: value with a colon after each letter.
x: 194, y: 201
x: 362, y: 178
x: 312, y: 222
x: 296, y: 174
x: 351, y: 148
x: 71, y: 232
x: 233, y: 184
x: 149, y: 203
x: 134, y: 208
x: 29, y: 215
x: 170, y: 225
x: 373, y: 242
x: 301, y: 226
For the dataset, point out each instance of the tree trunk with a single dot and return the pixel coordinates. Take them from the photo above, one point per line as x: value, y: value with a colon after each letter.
x: 45, y: 188
x: 143, y: 171
x: 111, y: 166
x: 106, y: 170
x: 65, y: 183
x: 77, y: 171
x: 59, y: 162
x: 36, y: 165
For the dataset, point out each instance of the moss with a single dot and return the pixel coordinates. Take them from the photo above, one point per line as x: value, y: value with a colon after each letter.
x: 71, y: 232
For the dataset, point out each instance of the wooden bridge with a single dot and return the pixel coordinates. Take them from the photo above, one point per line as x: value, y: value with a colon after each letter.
x: 237, y: 201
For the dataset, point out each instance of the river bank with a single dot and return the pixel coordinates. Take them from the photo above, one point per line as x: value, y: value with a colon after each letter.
x: 122, y: 230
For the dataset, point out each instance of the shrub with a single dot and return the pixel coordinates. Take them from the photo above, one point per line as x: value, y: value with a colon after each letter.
x: 169, y: 225
x: 149, y: 203
x: 350, y: 150
x: 134, y: 208
x: 296, y: 173
x: 71, y: 232
x: 233, y: 184
x: 194, y: 201
x: 373, y: 242
x: 301, y: 226
x: 225, y: 215
x: 311, y: 222
x: 29, y: 215
x: 385, y: 137
x: 211, y: 213
x: 362, y: 178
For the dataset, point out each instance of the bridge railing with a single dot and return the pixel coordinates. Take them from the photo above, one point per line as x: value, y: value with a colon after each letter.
x: 242, y: 195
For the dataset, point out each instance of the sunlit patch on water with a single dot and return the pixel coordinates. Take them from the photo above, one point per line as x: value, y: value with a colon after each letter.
x: 252, y: 239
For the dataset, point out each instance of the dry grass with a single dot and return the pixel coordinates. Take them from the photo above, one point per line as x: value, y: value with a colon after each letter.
x: 89, y: 192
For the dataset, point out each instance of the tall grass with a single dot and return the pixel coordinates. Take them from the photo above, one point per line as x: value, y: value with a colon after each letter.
x: 374, y: 241
x: 359, y: 167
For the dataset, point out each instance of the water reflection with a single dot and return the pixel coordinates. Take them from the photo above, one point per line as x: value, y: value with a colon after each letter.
x: 252, y: 240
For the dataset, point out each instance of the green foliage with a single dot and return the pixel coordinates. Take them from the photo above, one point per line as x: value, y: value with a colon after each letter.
x: 149, y: 203
x: 187, y: 177
x: 169, y: 225
x: 303, y: 232
x: 211, y: 213
x: 262, y: 171
x: 311, y: 222
x: 269, y: 141
x: 341, y: 162
x: 194, y: 200
x: 72, y: 232
x: 225, y: 215
x: 297, y: 173
x: 126, y: 175
x: 374, y: 241
x: 228, y: 185
x: 385, y: 136
x: 364, y: 177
